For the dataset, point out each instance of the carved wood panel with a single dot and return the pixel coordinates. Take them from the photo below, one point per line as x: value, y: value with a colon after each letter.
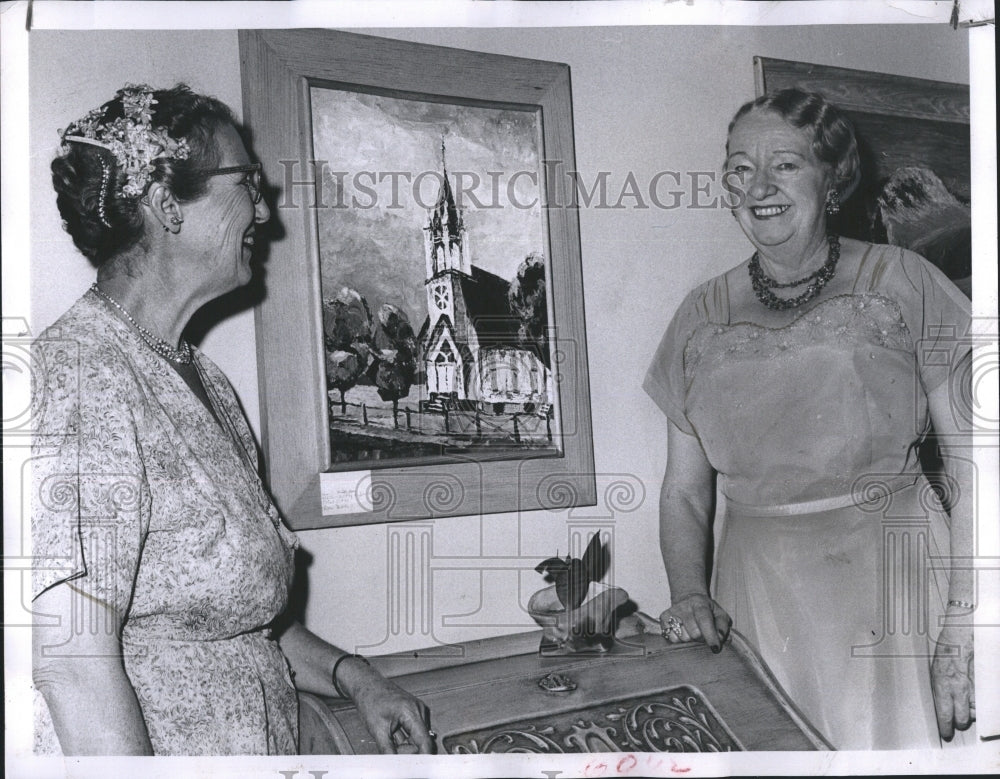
x: 675, y: 720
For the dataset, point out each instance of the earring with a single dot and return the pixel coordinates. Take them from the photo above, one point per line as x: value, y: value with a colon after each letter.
x: 833, y: 202
x: 176, y: 220
x: 166, y: 229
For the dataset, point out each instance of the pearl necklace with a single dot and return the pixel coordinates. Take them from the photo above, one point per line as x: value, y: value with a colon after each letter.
x: 763, y: 284
x: 181, y: 356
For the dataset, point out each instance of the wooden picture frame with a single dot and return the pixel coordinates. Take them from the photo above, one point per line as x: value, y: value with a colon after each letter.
x: 914, y: 145
x: 280, y: 68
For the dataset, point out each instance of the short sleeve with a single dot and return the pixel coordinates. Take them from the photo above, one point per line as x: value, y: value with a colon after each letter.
x: 665, y: 381
x: 89, y: 499
x: 937, y: 314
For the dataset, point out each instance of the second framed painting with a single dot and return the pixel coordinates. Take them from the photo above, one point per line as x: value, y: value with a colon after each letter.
x: 421, y: 346
x: 913, y: 142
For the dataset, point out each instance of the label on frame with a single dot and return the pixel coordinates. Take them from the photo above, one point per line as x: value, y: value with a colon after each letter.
x: 345, y: 493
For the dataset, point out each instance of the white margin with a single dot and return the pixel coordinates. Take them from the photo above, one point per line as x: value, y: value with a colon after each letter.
x: 115, y: 14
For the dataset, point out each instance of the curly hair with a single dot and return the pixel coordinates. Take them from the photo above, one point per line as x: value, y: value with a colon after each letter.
x: 833, y: 139
x: 86, y: 177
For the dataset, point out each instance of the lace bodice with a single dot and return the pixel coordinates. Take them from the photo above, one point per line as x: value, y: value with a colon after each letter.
x: 859, y: 319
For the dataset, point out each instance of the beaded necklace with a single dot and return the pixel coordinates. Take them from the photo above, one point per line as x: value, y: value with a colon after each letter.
x: 182, y: 356
x: 763, y: 284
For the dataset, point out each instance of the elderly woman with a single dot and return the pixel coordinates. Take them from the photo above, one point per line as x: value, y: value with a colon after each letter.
x: 163, y: 564
x: 799, y: 384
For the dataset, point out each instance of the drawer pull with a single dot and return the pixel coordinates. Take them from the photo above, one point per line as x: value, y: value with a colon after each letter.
x: 554, y: 682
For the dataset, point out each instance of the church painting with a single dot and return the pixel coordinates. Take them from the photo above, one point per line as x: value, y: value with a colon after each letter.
x: 434, y: 281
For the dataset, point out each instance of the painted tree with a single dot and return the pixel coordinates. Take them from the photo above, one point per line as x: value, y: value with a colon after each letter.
x: 526, y: 298
x: 395, y: 365
x: 347, y: 335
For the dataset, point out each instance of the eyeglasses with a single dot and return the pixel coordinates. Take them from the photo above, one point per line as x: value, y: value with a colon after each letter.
x: 252, y: 181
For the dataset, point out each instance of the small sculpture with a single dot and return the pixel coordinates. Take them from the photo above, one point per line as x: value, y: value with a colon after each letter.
x: 576, y: 612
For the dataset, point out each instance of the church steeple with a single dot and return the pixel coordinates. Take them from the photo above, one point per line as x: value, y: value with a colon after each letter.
x: 445, y: 237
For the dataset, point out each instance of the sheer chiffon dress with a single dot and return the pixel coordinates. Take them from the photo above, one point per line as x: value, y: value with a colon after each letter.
x: 832, y: 556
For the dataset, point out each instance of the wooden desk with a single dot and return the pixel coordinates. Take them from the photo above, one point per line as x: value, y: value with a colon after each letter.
x: 645, y: 695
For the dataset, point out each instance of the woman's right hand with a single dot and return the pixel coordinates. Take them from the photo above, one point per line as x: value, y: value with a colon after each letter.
x: 396, y: 719
x: 696, y: 617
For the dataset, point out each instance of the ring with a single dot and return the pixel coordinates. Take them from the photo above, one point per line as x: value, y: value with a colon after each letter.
x: 432, y: 734
x: 674, y: 626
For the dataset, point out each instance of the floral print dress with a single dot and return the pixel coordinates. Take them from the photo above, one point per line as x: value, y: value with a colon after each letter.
x: 146, y: 500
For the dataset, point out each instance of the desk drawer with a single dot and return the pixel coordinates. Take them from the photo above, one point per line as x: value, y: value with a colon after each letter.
x: 646, y: 695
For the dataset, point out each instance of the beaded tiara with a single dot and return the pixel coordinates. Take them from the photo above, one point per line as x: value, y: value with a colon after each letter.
x: 131, y: 138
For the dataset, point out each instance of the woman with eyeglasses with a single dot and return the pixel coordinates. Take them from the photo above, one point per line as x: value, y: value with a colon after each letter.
x: 163, y: 567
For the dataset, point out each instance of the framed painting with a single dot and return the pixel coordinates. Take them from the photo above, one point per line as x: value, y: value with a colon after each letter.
x: 913, y: 140
x: 421, y: 347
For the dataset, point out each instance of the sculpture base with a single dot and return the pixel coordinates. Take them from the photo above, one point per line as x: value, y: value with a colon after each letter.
x: 587, y: 629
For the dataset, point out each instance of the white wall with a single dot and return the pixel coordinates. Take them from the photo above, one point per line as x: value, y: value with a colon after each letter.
x: 645, y: 100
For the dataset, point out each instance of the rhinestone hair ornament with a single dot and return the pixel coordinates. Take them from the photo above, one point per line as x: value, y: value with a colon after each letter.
x: 131, y: 138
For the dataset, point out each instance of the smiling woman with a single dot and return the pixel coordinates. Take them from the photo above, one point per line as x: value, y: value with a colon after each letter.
x: 249, y: 177
x: 785, y: 186
x: 164, y: 565
x: 801, y: 383
x: 786, y: 178
x: 220, y: 245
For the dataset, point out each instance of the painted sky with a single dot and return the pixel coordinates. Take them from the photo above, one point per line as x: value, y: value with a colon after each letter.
x: 377, y: 248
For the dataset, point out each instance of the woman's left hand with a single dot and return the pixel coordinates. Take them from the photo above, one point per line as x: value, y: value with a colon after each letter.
x: 953, y: 682
x: 396, y: 719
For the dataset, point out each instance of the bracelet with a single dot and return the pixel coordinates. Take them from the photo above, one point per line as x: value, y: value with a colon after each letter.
x: 962, y: 604
x: 336, y: 665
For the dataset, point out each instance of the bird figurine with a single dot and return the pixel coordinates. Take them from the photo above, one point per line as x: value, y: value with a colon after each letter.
x: 572, y: 576
x: 576, y: 612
